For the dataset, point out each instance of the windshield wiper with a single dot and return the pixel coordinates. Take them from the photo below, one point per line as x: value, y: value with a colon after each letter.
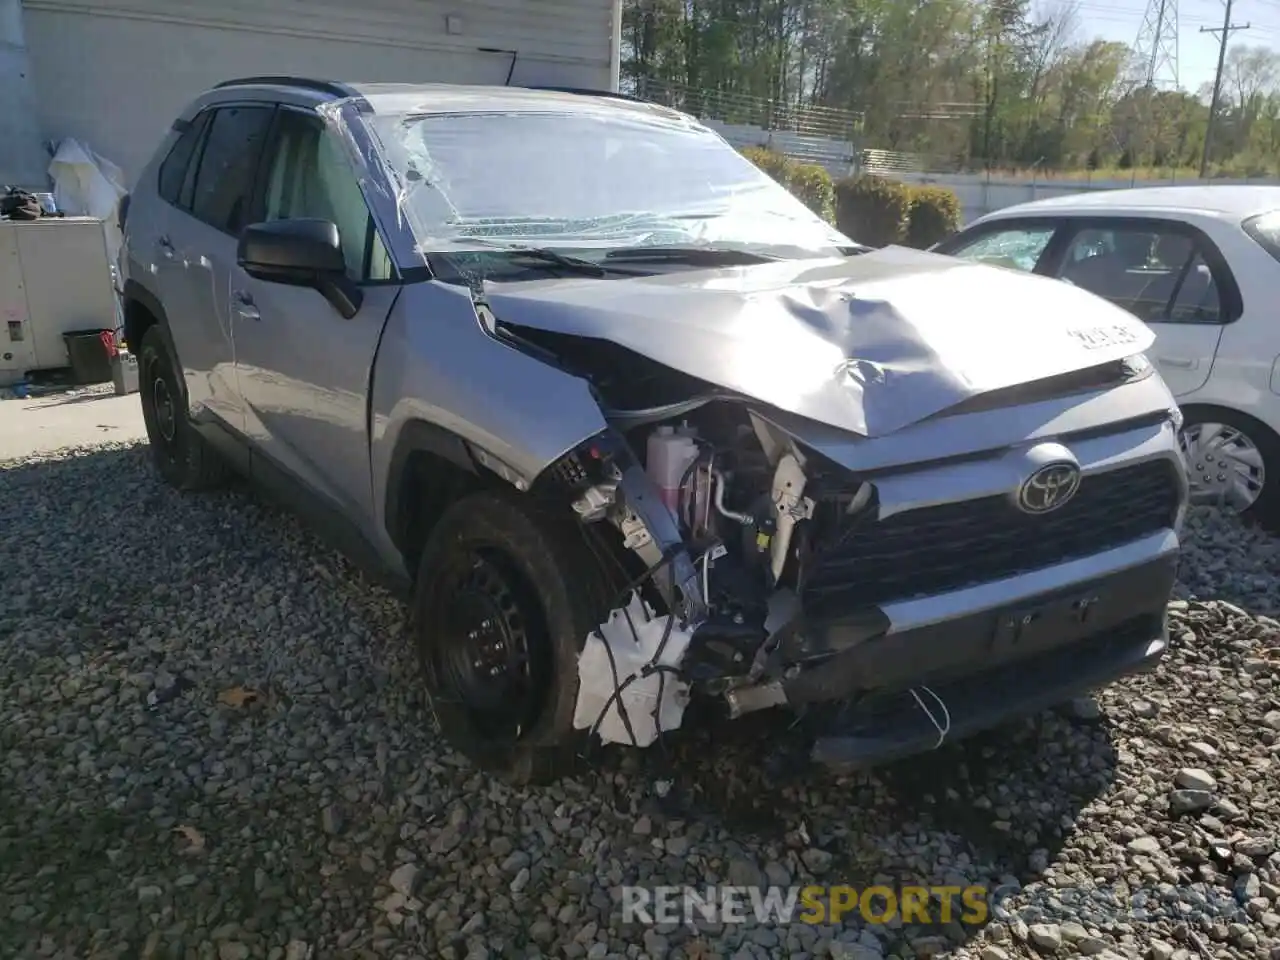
x: 697, y: 256
x: 541, y: 255
x: 544, y: 256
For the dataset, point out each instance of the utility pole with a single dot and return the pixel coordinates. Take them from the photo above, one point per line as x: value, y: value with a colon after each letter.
x: 1225, y: 30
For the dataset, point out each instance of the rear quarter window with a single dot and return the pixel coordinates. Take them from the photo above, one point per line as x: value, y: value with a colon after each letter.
x: 1265, y: 229
x: 174, y: 167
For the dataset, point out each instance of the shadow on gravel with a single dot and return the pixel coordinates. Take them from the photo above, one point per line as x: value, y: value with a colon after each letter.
x: 1010, y: 795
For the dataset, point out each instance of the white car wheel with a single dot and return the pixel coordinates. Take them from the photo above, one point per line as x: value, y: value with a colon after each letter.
x: 1224, y: 466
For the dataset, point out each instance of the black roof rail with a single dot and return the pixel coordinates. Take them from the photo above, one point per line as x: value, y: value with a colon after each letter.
x: 331, y: 87
x: 585, y: 92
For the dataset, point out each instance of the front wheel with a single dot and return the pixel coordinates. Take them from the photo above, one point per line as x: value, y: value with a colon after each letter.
x: 506, y: 595
x: 1233, y: 461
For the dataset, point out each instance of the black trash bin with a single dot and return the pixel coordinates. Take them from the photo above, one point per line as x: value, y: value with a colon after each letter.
x: 90, y: 362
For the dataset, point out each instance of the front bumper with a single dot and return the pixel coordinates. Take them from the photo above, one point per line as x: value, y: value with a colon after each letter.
x: 990, y: 653
x: 896, y: 726
x: 936, y: 639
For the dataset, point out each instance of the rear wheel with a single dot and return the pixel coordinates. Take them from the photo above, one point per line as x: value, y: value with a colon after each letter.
x: 1233, y: 461
x: 505, y: 598
x: 178, y: 451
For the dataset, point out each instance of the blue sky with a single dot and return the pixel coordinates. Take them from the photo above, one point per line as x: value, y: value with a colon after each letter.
x: 1197, y: 52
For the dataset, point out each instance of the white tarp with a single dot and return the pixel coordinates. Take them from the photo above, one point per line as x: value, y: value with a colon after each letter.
x: 85, y: 184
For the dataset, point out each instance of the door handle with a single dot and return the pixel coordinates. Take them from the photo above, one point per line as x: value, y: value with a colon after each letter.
x: 244, y: 306
x: 166, y: 248
x: 1182, y: 362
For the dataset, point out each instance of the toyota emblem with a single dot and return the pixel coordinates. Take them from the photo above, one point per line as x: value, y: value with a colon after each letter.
x: 1049, y: 488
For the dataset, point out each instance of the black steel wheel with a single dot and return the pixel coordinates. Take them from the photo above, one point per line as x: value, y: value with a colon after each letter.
x: 179, y: 453
x: 505, y: 597
x: 492, y: 648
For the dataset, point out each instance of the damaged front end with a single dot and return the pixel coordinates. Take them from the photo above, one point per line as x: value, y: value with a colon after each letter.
x: 771, y: 571
x: 721, y: 528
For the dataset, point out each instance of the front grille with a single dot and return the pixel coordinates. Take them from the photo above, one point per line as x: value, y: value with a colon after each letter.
x: 956, y: 545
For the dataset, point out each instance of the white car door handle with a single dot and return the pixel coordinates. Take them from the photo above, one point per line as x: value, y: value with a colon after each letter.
x: 244, y: 306
x: 1182, y: 362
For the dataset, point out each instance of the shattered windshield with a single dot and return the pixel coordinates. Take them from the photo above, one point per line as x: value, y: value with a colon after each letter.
x: 591, y: 180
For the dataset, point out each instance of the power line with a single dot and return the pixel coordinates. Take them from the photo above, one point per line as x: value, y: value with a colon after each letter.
x: 1224, y: 33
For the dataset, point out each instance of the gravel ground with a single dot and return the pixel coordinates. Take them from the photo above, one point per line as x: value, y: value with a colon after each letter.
x: 213, y: 746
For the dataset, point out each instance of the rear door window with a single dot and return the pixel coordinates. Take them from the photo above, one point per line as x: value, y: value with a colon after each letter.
x: 1158, y: 272
x: 173, y: 170
x: 223, y: 186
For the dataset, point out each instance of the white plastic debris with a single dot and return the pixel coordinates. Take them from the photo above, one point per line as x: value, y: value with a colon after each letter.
x: 86, y: 184
x: 639, y: 701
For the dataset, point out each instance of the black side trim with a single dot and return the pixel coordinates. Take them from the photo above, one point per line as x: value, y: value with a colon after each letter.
x: 418, y: 436
x: 225, y: 442
x: 133, y: 290
x: 321, y: 517
x: 332, y: 87
x: 327, y: 522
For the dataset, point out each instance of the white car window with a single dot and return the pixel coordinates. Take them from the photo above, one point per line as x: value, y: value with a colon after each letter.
x: 1157, y: 275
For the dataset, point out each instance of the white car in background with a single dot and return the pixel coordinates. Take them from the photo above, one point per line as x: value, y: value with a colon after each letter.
x: 1201, y: 266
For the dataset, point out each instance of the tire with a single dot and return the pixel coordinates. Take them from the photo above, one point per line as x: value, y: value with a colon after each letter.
x: 180, y: 454
x: 501, y: 560
x: 1265, y: 509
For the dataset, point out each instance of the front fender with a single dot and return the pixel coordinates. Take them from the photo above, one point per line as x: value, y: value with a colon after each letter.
x: 438, y: 365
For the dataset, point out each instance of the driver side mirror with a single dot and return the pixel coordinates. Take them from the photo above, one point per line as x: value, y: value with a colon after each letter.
x: 305, y: 253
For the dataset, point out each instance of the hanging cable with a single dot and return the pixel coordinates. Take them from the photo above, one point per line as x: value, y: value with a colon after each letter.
x: 944, y: 727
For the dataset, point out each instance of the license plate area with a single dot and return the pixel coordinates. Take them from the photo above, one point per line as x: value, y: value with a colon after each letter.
x: 1034, y: 627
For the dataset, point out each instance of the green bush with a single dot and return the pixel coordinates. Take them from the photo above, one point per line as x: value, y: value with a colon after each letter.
x: 872, y: 210
x: 812, y: 184
x: 771, y: 162
x: 934, y: 215
x: 808, y: 182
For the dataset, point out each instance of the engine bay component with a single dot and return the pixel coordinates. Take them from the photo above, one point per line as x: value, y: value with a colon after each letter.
x: 594, y: 504
x: 669, y: 454
x: 629, y: 688
x: 718, y: 507
x: 744, y: 700
x: 790, y: 506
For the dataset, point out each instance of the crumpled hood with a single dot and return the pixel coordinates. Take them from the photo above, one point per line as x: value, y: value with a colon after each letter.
x: 869, y: 344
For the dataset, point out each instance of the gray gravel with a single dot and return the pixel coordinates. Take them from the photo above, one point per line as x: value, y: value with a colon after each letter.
x: 214, y: 746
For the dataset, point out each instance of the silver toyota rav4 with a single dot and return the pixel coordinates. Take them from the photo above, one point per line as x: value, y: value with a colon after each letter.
x: 632, y: 428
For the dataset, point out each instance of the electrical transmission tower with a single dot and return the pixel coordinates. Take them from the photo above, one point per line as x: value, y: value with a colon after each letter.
x: 1157, y: 44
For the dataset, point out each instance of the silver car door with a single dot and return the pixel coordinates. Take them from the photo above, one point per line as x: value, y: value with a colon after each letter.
x: 204, y: 241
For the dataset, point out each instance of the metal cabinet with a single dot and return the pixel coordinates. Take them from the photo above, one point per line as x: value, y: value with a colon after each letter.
x: 55, y: 277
